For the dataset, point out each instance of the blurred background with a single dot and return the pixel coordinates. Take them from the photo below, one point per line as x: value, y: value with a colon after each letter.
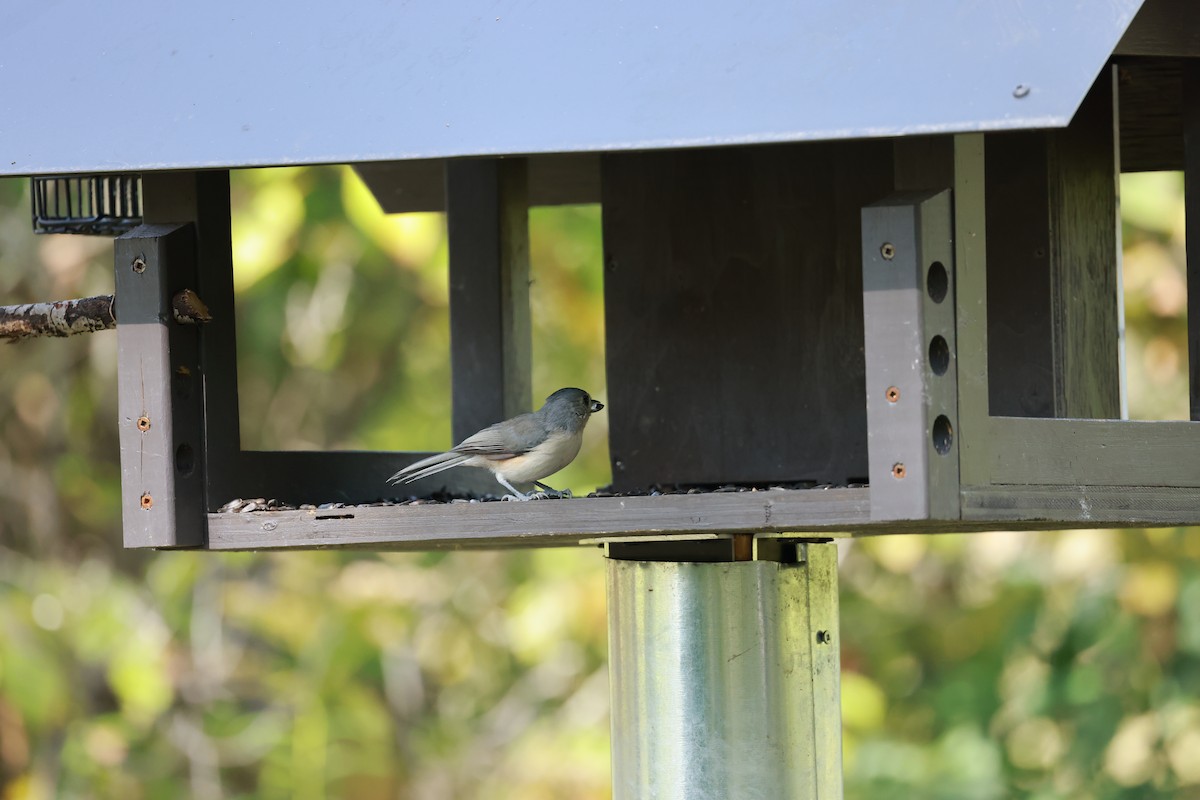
x: 1038, y: 665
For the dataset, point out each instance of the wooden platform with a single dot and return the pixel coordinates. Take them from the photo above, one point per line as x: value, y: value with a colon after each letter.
x: 548, y: 523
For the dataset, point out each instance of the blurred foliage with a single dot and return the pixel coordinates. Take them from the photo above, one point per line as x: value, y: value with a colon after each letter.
x: 1040, y: 665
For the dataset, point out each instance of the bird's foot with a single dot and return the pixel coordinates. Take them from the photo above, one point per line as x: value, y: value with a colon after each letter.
x: 517, y: 498
x: 548, y: 492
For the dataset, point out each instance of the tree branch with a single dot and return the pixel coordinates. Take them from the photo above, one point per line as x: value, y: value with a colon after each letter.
x: 60, y: 318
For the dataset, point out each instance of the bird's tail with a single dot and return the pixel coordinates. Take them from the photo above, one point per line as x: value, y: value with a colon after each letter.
x: 428, y: 466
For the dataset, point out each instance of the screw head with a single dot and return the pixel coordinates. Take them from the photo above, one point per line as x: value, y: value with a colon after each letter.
x: 892, y: 394
x: 143, y: 424
x: 147, y: 501
x: 139, y: 264
x: 1021, y: 91
x: 888, y: 251
x: 899, y: 470
x: 824, y: 637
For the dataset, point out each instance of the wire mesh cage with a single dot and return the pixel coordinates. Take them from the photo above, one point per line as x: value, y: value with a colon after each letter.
x: 99, y: 205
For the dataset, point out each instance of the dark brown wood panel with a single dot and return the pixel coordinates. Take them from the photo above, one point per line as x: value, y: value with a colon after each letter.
x: 733, y: 296
x: 1151, y: 111
x: 1083, y: 179
x: 1051, y: 267
x: 1191, y: 189
x: 1020, y: 359
x: 487, y: 222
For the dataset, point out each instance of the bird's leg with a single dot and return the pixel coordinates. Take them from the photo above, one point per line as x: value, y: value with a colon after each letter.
x: 515, y: 494
x: 550, y: 492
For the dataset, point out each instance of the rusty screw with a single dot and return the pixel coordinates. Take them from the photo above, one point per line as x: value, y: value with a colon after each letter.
x: 147, y: 501
x: 893, y: 394
x: 139, y: 264
x: 143, y: 424
x: 899, y: 471
x: 888, y: 251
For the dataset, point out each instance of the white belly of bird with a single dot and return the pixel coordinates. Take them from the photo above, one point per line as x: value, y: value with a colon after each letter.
x: 540, y: 462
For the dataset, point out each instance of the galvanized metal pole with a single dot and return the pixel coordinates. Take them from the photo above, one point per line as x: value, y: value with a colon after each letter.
x: 725, y: 677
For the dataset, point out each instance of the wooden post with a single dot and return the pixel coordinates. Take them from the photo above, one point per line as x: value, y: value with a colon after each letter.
x: 487, y: 213
x: 159, y: 391
x: 202, y: 199
x: 910, y: 346
x: 1191, y: 192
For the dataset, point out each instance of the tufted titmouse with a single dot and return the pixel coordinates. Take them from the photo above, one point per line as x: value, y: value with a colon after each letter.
x: 523, y: 449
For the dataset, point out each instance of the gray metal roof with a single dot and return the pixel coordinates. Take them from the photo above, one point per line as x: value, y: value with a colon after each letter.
x: 146, y: 84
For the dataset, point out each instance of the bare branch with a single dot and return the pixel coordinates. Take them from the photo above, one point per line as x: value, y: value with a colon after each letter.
x: 60, y: 318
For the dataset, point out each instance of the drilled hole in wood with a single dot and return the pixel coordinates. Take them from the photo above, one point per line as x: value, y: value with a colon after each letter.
x: 939, y: 355
x: 147, y: 501
x: 937, y: 282
x: 888, y: 251
x: 899, y: 471
x: 943, y: 434
x: 893, y: 394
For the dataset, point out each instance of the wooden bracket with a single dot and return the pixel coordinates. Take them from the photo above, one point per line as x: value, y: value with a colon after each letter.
x: 910, y: 345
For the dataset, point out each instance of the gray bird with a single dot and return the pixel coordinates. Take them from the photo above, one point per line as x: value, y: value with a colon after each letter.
x: 523, y: 449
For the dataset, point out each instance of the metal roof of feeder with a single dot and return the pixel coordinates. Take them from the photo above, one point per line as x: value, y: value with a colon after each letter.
x: 141, y: 86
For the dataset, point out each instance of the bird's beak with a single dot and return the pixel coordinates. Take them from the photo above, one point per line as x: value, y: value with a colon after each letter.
x: 596, y: 406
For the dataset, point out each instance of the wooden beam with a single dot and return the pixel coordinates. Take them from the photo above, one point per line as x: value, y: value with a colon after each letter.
x: 202, y: 199
x: 490, y: 339
x: 971, y: 305
x: 159, y: 394
x: 1083, y: 255
x: 1094, y: 452
x: 1163, y: 28
x: 541, y: 523
x: 1191, y: 105
x: 912, y: 375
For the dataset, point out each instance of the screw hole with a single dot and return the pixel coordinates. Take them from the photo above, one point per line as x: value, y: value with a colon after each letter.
x: 147, y: 501
x: 939, y: 355
x: 139, y: 264
x: 143, y: 424
x: 943, y: 434
x: 937, y: 282
x: 893, y: 394
x: 888, y: 251
x: 899, y: 471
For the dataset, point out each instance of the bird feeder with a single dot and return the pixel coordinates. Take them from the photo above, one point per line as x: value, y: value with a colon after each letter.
x: 861, y: 271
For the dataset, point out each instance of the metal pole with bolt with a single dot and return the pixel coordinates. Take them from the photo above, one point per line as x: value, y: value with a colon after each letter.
x: 725, y: 674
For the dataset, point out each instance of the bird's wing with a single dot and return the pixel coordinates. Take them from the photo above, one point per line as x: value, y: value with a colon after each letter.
x: 506, y: 439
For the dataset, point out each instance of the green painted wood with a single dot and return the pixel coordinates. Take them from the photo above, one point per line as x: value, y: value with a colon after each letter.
x: 1056, y: 452
x: 970, y: 303
x: 1083, y: 252
x: 1080, y: 506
